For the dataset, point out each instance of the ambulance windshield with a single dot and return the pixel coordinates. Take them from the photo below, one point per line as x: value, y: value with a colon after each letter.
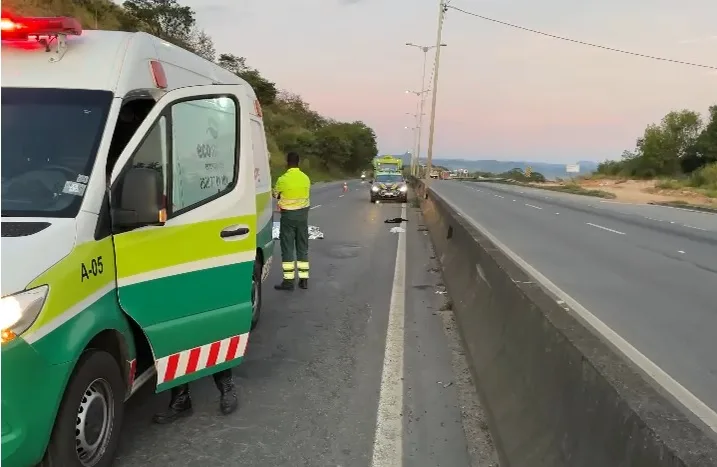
x: 389, y: 178
x: 49, y: 143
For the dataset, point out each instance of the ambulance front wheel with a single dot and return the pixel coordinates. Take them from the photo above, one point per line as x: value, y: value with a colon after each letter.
x: 87, y: 428
x: 256, y: 293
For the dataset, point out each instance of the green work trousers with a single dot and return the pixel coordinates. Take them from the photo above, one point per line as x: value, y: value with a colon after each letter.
x: 294, y: 238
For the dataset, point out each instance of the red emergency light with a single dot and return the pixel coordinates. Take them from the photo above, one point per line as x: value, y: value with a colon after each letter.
x: 22, y: 28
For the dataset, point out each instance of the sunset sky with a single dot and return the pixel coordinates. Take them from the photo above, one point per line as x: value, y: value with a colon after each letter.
x: 503, y: 93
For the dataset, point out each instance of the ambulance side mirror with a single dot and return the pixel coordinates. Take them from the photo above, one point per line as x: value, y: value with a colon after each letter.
x: 141, y: 199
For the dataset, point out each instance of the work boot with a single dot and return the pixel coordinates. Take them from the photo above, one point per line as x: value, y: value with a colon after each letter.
x: 303, y: 283
x: 228, y: 395
x: 180, y: 405
x: 285, y: 285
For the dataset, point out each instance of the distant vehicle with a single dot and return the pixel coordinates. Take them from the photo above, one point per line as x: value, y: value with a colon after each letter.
x: 387, y: 164
x: 389, y: 185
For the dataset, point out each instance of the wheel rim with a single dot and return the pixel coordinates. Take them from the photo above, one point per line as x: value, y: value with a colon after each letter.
x: 94, y: 423
x: 254, y: 298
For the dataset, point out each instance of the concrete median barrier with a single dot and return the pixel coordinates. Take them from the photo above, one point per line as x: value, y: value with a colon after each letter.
x: 555, y: 392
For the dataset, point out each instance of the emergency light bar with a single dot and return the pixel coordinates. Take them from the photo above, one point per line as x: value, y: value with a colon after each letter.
x: 22, y: 28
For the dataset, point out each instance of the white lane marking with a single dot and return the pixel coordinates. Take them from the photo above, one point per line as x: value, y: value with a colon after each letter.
x: 531, y: 206
x: 388, y: 439
x: 693, y: 227
x: 341, y: 196
x: 499, y: 196
x: 513, y: 200
x: 605, y: 228
x: 651, y: 369
x: 681, y: 251
x: 314, y: 207
x: 557, y: 213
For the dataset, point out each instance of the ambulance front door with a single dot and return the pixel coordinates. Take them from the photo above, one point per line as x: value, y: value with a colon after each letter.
x: 184, y: 225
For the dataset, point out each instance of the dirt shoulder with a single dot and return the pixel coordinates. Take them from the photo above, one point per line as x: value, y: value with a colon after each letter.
x: 645, y: 191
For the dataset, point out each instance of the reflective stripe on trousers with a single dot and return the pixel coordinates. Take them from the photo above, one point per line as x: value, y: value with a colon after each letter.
x: 288, y: 269
x: 290, y: 272
x: 303, y: 267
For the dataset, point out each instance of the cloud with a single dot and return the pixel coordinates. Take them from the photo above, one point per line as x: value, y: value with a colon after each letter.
x: 349, y: 2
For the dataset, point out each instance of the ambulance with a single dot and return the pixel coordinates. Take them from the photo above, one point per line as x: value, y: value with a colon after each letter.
x: 136, y: 230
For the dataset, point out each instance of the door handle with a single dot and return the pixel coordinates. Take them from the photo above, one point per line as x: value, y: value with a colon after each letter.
x: 233, y: 232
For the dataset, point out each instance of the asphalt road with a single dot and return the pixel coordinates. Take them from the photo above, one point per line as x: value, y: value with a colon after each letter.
x: 648, y: 272
x: 315, y: 376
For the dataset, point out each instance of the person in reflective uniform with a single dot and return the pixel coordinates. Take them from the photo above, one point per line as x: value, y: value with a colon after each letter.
x: 292, y: 191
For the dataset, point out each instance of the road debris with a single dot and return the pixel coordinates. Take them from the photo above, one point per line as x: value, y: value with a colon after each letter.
x: 314, y: 232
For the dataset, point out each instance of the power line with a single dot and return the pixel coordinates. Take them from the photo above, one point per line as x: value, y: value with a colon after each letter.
x: 575, y: 41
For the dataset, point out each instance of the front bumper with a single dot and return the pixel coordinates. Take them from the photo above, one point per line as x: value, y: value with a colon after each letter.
x: 31, y: 394
x: 388, y: 194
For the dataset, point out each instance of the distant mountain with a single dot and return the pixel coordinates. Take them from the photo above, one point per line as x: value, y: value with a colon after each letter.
x: 549, y: 170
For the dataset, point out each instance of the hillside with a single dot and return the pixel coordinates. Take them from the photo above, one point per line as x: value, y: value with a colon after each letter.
x: 549, y: 170
x: 329, y: 149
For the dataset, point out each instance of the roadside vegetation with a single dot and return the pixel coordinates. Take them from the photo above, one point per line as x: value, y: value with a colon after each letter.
x: 330, y: 149
x: 537, y: 180
x: 679, y: 153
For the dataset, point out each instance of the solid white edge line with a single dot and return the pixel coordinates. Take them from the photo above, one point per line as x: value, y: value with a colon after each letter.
x: 388, y: 439
x: 314, y: 207
x: 679, y: 392
x: 605, y: 228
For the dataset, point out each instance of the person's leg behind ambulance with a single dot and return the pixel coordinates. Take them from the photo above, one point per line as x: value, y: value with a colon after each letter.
x: 180, y: 402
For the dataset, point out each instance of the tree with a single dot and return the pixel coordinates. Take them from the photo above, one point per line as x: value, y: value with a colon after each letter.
x: 163, y: 18
x: 201, y: 44
x: 704, y: 151
x: 265, y: 90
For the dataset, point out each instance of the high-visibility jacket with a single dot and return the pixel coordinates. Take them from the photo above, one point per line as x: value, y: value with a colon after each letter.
x: 293, y: 190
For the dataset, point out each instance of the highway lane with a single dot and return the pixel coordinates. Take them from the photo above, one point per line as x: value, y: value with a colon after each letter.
x: 645, y: 271
x: 314, y: 373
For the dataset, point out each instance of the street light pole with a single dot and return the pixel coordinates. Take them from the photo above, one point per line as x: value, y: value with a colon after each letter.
x: 419, y: 119
x: 422, y: 102
x: 431, y: 132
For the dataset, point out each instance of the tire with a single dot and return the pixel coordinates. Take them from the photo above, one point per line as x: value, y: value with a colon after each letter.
x: 373, y: 200
x: 256, y: 299
x: 96, y: 383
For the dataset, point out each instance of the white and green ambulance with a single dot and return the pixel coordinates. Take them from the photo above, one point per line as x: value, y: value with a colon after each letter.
x: 136, y: 230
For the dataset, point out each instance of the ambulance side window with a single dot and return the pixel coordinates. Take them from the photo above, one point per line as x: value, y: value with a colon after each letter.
x: 131, y: 115
x: 205, y: 148
x: 152, y: 153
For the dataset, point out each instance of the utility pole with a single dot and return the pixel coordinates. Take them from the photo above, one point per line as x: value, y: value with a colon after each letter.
x: 442, y: 8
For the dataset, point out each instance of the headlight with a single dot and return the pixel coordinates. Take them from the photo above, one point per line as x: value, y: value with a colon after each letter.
x: 403, y: 189
x: 19, y: 311
x: 374, y: 188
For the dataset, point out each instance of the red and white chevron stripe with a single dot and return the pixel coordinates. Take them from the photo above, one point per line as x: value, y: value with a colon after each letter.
x: 188, y: 361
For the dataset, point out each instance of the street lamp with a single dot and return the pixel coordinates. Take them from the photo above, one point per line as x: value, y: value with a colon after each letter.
x: 419, y: 120
x: 425, y: 50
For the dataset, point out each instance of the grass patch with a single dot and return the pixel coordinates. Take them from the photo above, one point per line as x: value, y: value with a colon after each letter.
x: 575, y: 189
